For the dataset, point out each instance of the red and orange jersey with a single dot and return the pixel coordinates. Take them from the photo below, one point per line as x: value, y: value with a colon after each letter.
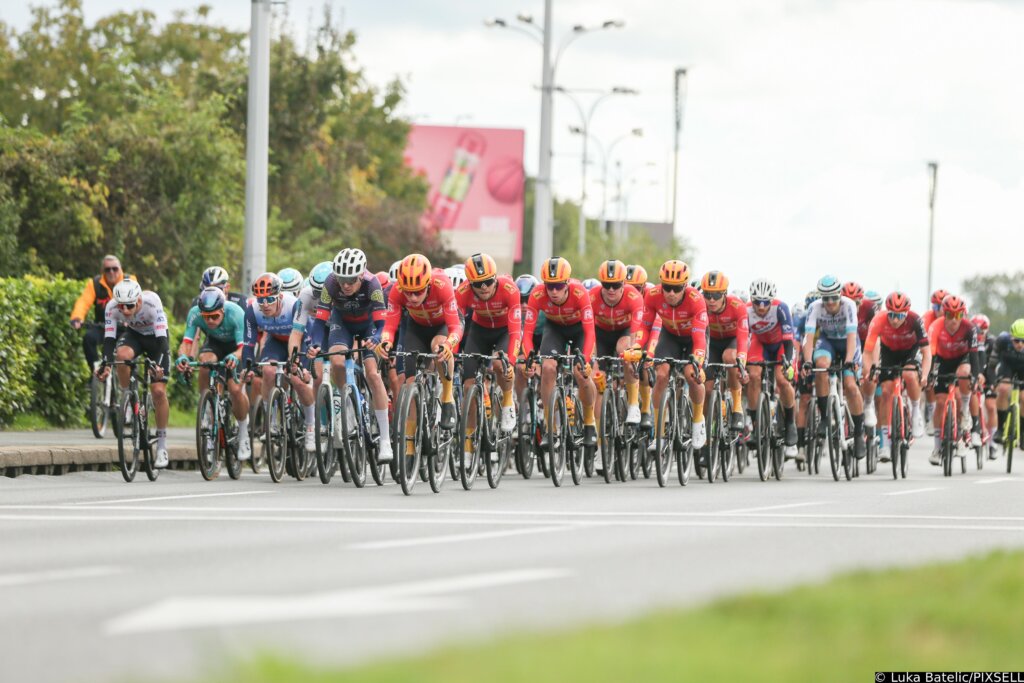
x: 575, y: 310
x: 731, y: 322
x: 628, y: 313
x: 957, y: 344
x: 689, y: 316
x: 907, y: 336
x: 438, y: 308
x: 501, y: 310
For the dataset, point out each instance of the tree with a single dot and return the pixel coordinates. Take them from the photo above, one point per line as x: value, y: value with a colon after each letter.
x: 999, y: 296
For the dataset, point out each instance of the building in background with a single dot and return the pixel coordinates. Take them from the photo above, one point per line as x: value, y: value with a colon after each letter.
x: 476, y: 187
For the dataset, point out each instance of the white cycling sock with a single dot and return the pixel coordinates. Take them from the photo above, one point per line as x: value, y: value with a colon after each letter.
x: 382, y: 424
x: 307, y: 411
x: 161, y: 438
x: 243, y: 427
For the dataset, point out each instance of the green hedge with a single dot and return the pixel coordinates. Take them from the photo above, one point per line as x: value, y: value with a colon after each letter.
x: 42, y: 368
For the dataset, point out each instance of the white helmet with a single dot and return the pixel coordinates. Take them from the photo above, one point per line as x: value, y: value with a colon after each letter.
x: 741, y: 294
x: 215, y: 276
x: 393, y: 270
x: 291, y: 280
x: 127, y: 291
x: 349, y: 263
x: 763, y: 288
x: 456, y: 276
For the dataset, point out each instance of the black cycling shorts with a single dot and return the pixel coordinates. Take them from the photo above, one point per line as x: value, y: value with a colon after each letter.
x: 673, y: 346
x: 607, y: 342
x: 557, y: 337
x: 948, y: 366
x: 485, y: 340
x: 149, y: 345
x: 887, y: 357
x: 717, y: 347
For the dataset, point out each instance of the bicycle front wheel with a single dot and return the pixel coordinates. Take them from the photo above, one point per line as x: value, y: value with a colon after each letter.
x: 353, y: 446
x: 409, y: 439
x: 127, y: 451
x: 948, y: 444
x: 1012, y: 432
x: 683, y: 443
x: 609, y: 433
x: 558, y: 435
x: 207, y: 436
x: 665, y: 436
x: 501, y: 443
x: 98, y: 413
x: 276, y: 435
x: 713, y: 415
x: 324, y: 423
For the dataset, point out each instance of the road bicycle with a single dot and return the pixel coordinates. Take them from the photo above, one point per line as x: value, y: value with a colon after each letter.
x: 480, y: 431
x: 673, y: 427
x: 565, y: 419
x: 952, y: 434
x: 838, y: 425
x: 217, y: 432
x: 134, y: 437
x: 900, y: 433
x: 769, y: 425
x: 422, y: 446
x: 104, y: 399
x: 284, y: 424
x: 1011, y: 429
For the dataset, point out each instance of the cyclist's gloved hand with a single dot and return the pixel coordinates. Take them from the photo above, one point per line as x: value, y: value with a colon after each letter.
x: 383, y: 349
x: 806, y: 368
x: 787, y: 371
x: 230, y: 361
x: 76, y: 323
x: 182, y: 363
x: 633, y: 354
x: 312, y: 351
x: 444, y: 351
x: 510, y: 372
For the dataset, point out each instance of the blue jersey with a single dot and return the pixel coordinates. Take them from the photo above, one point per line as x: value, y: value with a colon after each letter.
x: 365, y: 307
x: 278, y: 327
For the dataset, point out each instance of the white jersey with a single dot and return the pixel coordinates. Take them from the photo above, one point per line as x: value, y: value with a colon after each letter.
x: 149, y: 320
x: 831, y: 326
x: 307, y: 306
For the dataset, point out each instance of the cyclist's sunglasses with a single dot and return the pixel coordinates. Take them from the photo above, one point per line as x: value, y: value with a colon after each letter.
x: 830, y: 299
x: 267, y: 300
x: 761, y: 302
x: 212, y: 316
x: 897, y: 315
x: 127, y: 307
x: 555, y: 286
x: 415, y: 295
x: 349, y: 280
x: 673, y: 289
x: 714, y: 296
x: 112, y: 269
x: 953, y: 316
x: 1018, y: 341
x: 612, y: 285
x: 483, y: 284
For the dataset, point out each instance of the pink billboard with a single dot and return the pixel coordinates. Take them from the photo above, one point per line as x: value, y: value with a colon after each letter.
x: 475, y: 176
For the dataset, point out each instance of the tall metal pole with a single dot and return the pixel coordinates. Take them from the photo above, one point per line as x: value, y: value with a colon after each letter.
x: 254, y: 254
x: 581, y: 238
x: 933, y: 177
x: 543, y: 232
x: 680, y: 95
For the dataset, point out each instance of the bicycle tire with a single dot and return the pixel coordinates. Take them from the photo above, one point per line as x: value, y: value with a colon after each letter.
x: 409, y: 437
x: 353, y: 447
x: 664, y: 438
x: 525, y: 450
x: 1012, y: 432
x: 896, y: 427
x: 276, y: 436
x: 683, y: 438
x: 948, y: 445
x: 232, y: 435
x: 726, y: 442
x: 147, y: 440
x: 98, y: 412
x: 472, y: 411
x: 845, y: 430
x: 833, y: 439
x: 558, y: 434
x: 575, y: 452
x: 207, y: 436
x: 298, y: 456
x: 495, y: 466
x: 126, y: 451
x: 713, y: 416
x: 323, y: 421
x: 762, y: 438
x: 257, y: 425
x: 609, y: 428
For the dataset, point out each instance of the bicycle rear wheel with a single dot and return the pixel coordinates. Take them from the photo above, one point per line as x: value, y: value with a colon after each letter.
x: 98, y: 413
x: 777, y: 432
x: 575, y: 451
x: 231, y: 435
x: 206, y: 436
x: 276, y: 435
x: 501, y: 445
x: 834, y: 430
x: 258, y: 433
x: 127, y: 451
x: 409, y: 437
x: 845, y: 430
x: 147, y: 439
x: 1012, y: 433
x: 353, y: 448
x: 527, y: 429
x: 713, y: 415
x: 811, y: 443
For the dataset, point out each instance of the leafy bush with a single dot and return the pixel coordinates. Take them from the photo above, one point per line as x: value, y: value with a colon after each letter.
x: 18, y: 350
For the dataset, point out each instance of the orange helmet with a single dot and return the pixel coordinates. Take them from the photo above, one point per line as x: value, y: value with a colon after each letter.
x: 480, y: 267
x: 636, y: 276
x: 674, y: 272
x: 714, y: 281
x: 953, y: 304
x: 414, y: 273
x: 555, y: 270
x: 852, y: 290
x: 897, y: 302
x: 938, y: 296
x: 268, y: 284
x: 611, y: 272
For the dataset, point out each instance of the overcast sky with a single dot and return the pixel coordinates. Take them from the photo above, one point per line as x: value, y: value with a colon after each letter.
x: 808, y: 123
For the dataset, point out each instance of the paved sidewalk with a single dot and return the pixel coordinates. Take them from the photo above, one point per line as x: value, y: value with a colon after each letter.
x: 69, y: 450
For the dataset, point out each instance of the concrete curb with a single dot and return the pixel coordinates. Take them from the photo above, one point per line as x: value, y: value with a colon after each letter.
x: 16, y: 460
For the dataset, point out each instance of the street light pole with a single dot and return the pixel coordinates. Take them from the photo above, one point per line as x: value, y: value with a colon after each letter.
x: 933, y: 177
x: 636, y: 132
x: 254, y: 251
x: 680, y: 95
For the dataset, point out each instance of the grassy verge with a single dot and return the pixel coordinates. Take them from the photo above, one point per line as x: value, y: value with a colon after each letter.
x: 960, y: 616
x: 34, y: 422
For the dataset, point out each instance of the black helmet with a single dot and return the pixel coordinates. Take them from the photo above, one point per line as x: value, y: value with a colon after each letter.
x: 211, y: 300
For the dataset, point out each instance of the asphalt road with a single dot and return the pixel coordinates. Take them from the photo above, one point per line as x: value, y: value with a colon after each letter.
x: 100, y: 579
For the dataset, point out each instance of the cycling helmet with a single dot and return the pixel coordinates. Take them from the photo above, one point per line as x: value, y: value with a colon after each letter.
x: 456, y: 276
x: 480, y: 267
x: 1017, y: 329
x: 127, y: 291
x: 981, y: 321
x: 763, y: 288
x: 798, y: 308
x: 268, y: 284
x: 829, y: 286
x: 674, y: 272
x: 953, y: 304
x: 611, y: 272
x: 215, y: 276
x: 318, y: 276
x: 414, y: 273
x: 897, y: 302
x: 383, y: 279
x: 556, y: 269
x: 873, y: 296
x: 853, y: 290
x: 938, y: 296
x: 590, y: 283
x: 393, y: 271
x: 714, y: 281
x: 291, y: 280
x: 636, y: 275
x: 349, y: 263
x: 458, y: 266
x: 526, y: 283
x: 741, y: 294
x: 811, y: 297
x: 211, y: 300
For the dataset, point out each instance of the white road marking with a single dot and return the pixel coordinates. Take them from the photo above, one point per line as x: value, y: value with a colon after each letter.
x: 458, y: 538
x: 56, y: 575
x: 208, y: 611
x: 767, y: 508
x: 907, y: 493
x: 998, y: 480
x: 182, y: 497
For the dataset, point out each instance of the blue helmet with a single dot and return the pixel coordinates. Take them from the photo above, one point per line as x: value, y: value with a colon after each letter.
x: 873, y: 296
x: 291, y: 280
x: 526, y: 283
x: 590, y: 283
x: 829, y: 286
x: 211, y: 300
x: 318, y: 276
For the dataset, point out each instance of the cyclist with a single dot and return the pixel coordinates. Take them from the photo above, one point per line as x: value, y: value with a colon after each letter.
x: 309, y: 299
x: 525, y: 284
x: 989, y: 362
x: 433, y: 325
x: 96, y: 294
x: 570, y: 321
x: 590, y: 283
x: 684, y: 319
x: 142, y: 316
x: 618, y: 313
x: 291, y: 281
x: 928, y: 318
x: 771, y: 338
x: 352, y: 303
x: 728, y: 337
x: 1009, y: 349
x: 215, y: 276
x: 456, y: 275
x: 274, y: 312
x: 223, y: 322
x: 636, y: 275
x: 954, y: 345
x: 492, y: 301
x: 898, y: 335
x: 831, y: 333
